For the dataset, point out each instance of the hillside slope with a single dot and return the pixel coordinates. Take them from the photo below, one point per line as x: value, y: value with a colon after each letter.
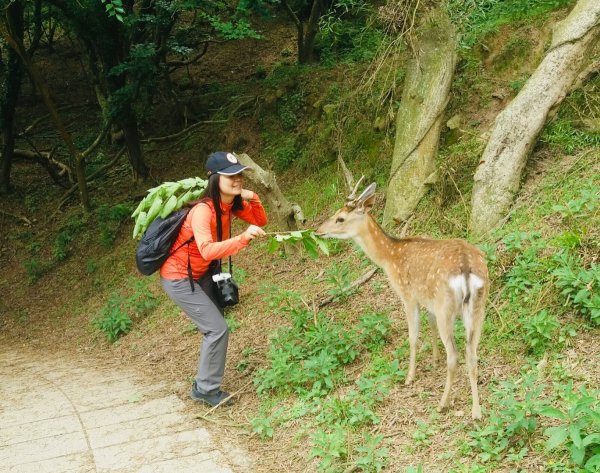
x: 324, y: 389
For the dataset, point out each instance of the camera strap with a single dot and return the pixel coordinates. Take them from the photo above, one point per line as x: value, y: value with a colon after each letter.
x: 220, y: 238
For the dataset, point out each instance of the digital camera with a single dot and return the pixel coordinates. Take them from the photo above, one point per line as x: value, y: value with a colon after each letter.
x: 226, y: 289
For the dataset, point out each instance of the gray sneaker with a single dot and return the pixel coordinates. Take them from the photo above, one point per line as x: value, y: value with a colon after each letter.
x: 215, y: 399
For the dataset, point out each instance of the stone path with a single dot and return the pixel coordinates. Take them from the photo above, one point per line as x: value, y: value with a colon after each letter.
x: 59, y: 415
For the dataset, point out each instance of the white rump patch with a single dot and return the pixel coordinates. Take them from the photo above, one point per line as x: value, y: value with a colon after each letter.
x: 475, y: 282
x: 458, y: 285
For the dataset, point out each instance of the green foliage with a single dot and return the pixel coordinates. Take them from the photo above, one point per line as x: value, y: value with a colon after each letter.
x: 113, y: 321
x: 330, y: 446
x: 262, y: 426
x: 114, y: 8
x: 579, y: 429
x: 578, y: 212
x: 310, y: 240
x: 527, y: 272
x: 512, y: 423
x: 563, y: 134
x: 34, y: 270
x: 61, y: 244
x: 307, y: 358
x: 116, y: 317
x: 285, y: 154
x: 422, y: 434
x: 289, y: 109
x: 478, y: 18
x: 540, y: 330
x: 109, y: 221
x: 371, y: 456
x: 230, y: 30
x: 66, y: 236
x: 339, y: 278
x: 165, y: 199
x: 581, y: 287
x: 344, y: 35
x: 522, y: 407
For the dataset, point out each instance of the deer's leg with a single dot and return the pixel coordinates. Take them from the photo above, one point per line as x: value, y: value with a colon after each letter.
x: 473, y: 320
x: 434, y: 338
x: 446, y: 331
x: 412, y: 317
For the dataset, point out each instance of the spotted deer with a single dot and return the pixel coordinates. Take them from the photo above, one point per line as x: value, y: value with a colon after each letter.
x: 445, y: 277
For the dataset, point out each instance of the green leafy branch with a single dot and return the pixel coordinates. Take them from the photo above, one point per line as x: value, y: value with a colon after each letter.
x: 114, y: 8
x: 312, y: 243
x: 164, y: 199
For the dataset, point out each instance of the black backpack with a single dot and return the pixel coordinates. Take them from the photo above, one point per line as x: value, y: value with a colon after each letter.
x: 155, y: 246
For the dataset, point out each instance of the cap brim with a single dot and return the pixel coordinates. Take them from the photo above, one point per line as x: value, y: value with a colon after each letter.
x: 232, y: 170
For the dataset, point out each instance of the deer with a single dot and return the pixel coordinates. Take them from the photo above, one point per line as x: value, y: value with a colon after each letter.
x: 445, y: 277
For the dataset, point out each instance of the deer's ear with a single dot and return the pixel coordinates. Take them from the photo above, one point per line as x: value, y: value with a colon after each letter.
x: 368, y: 203
x: 367, y: 199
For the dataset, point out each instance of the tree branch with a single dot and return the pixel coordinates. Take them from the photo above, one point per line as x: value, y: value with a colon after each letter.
x: 16, y: 217
x: 358, y: 282
x: 160, y: 139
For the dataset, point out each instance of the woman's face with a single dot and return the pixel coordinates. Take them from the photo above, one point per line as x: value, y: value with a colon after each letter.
x: 230, y: 186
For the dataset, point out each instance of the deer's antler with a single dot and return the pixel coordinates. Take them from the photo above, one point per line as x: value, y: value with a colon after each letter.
x: 351, y: 199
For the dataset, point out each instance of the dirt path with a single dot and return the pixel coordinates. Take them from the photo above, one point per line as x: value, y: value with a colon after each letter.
x: 63, y: 415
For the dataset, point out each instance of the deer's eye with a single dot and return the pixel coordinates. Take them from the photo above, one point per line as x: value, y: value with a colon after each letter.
x: 340, y: 220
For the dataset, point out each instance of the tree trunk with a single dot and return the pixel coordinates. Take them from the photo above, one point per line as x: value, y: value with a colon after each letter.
x: 288, y: 216
x: 10, y: 93
x: 129, y: 125
x: 306, y: 55
x: 17, y: 45
x: 306, y: 31
x: 516, y: 129
x: 420, y: 115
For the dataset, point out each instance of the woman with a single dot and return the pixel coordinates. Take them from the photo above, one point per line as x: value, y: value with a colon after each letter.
x: 225, y: 197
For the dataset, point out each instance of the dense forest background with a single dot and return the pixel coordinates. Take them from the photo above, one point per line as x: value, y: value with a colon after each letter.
x: 477, y: 119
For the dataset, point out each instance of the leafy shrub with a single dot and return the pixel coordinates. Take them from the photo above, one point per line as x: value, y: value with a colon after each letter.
x: 289, y: 108
x: 115, y: 318
x: 307, y: 358
x: 581, y: 287
x: 370, y: 456
x: 109, y: 221
x: 113, y: 321
x: 285, y: 155
x: 34, y: 269
x: 539, y: 330
x: 511, y: 425
x: 61, y: 244
x: 329, y: 445
x: 579, y: 429
x: 527, y: 272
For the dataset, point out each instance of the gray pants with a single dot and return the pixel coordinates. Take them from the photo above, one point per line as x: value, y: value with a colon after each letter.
x: 201, y: 307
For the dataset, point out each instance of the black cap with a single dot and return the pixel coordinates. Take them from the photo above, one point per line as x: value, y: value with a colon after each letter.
x: 226, y: 164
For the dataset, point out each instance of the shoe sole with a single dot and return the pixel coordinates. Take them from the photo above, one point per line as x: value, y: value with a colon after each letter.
x: 228, y: 401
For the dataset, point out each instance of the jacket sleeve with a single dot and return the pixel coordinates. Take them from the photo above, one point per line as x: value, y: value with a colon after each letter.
x: 210, y: 249
x: 253, y: 212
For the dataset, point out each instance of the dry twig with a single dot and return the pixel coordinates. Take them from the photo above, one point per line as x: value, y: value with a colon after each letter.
x: 358, y: 282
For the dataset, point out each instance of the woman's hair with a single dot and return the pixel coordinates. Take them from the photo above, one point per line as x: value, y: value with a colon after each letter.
x: 213, y: 193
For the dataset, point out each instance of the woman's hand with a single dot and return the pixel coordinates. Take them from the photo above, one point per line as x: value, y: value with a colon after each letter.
x: 247, y: 194
x: 253, y: 231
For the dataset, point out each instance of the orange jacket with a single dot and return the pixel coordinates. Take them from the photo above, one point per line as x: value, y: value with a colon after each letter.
x: 202, y: 223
